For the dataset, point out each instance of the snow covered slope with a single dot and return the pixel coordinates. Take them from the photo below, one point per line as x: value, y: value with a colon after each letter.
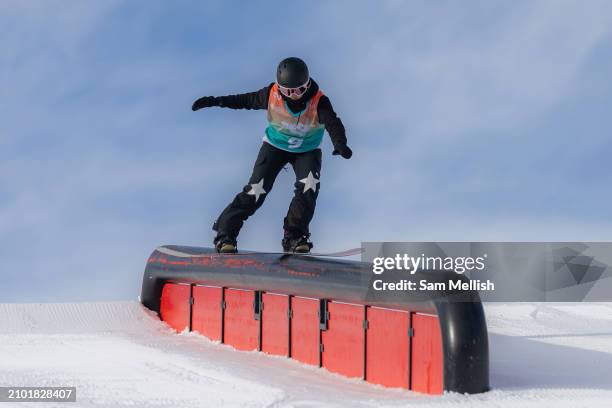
x: 119, y: 354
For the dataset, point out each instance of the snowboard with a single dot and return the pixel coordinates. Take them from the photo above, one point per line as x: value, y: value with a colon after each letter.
x: 338, y: 254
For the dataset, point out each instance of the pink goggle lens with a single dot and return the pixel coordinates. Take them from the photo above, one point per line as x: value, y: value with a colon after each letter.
x: 294, y: 92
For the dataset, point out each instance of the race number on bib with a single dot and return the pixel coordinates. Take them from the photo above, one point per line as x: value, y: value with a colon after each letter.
x: 294, y: 142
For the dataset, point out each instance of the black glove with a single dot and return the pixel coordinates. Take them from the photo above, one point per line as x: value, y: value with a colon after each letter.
x: 204, y: 102
x: 343, y: 150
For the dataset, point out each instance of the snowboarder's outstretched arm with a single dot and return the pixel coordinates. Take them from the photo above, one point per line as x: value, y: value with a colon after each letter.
x: 250, y: 100
x: 334, y: 127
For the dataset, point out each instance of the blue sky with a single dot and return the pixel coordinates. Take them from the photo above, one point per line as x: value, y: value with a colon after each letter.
x: 478, y: 120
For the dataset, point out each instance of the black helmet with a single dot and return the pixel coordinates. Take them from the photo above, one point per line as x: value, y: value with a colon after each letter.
x: 292, y: 72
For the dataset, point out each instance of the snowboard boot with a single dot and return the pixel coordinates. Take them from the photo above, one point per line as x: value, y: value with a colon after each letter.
x: 297, y: 244
x: 226, y: 246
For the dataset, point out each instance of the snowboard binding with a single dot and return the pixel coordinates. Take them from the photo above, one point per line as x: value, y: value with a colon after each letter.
x: 226, y: 246
x: 297, y: 244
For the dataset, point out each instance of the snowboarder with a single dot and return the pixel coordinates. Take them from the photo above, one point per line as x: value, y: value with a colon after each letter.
x: 298, y: 114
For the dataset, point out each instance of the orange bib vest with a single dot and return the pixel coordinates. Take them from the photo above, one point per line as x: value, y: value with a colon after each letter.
x: 294, y: 132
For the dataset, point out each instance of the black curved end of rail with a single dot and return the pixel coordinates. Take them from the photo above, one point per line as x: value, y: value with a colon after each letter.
x: 465, y: 347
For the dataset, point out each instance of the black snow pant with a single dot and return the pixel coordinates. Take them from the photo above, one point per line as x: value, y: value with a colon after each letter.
x: 270, y: 161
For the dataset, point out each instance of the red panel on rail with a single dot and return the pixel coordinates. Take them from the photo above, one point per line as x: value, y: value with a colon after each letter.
x: 305, y: 330
x: 174, y: 307
x: 343, y: 341
x: 206, y: 313
x: 427, y: 372
x: 241, y: 330
x: 275, y: 324
x: 387, y: 347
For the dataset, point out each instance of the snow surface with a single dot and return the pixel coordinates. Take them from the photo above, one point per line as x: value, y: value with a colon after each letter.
x: 119, y: 354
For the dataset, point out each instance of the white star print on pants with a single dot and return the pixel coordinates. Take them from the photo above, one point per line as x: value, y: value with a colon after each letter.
x: 310, y: 182
x: 257, y: 190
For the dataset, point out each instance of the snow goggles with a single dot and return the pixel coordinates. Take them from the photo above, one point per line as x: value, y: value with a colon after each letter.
x: 294, y: 93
